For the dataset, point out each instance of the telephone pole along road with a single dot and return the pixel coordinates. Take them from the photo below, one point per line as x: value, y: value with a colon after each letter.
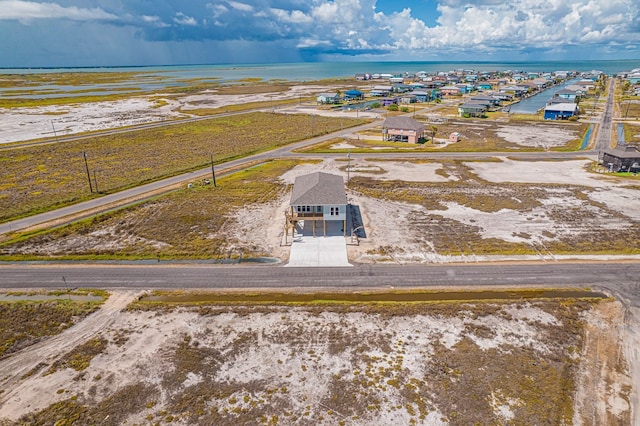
x: 110, y: 201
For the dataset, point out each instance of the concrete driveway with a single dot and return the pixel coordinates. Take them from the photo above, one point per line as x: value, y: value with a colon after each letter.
x: 307, y: 250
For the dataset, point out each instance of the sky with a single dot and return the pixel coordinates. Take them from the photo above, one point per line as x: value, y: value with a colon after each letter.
x: 69, y: 33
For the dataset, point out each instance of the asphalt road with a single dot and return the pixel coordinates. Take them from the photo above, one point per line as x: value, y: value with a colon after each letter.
x: 620, y: 279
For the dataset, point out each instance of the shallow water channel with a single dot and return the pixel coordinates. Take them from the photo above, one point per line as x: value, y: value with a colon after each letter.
x: 538, y: 101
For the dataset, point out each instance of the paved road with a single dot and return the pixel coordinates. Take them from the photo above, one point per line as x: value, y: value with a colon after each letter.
x: 123, y: 197
x: 622, y: 279
x: 603, y: 137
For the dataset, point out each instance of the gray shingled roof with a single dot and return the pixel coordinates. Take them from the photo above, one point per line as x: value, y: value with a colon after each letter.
x: 318, y: 189
x: 406, y: 123
x: 624, y: 151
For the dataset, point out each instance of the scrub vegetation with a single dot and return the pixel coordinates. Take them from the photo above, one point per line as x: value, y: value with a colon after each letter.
x: 579, y: 226
x: 202, y: 223
x: 39, y: 178
x: 438, y: 362
x: 477, y: 136
x: 25, y: 322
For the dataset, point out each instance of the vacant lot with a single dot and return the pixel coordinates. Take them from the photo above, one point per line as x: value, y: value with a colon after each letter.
x: 427, y: 363
x: 40, y: 177
x: 35, y: 315
x: 476, y: 136
x: 413, y: 211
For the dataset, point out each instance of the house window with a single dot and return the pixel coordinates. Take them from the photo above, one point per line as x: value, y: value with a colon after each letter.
x: 335, y: 211
x: 303, y: 209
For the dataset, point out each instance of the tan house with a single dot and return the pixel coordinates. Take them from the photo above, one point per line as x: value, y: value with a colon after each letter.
x: 402, y: 129
x: 319, y: 197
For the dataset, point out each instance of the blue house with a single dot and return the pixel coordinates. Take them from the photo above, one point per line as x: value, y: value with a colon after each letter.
x: 569, y: 95
x: 561, y: 111
x: 422, y: 95
x: 353, y: 95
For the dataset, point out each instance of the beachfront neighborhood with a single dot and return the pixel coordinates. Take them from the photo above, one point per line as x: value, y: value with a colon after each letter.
x: 479, y: 92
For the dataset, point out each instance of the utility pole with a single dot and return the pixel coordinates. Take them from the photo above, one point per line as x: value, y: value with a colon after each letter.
x: 55, y: 135
x: 213, y: 171
x: 86, y: 165
x: 348, y: 165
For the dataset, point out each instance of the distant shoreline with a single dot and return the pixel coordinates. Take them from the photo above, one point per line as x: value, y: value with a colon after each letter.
x: 302, y: 71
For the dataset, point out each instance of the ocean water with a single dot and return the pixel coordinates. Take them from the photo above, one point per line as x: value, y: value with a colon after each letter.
x: 307, y: 71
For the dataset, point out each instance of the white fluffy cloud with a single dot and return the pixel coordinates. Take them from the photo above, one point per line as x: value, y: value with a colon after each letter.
x: 317, y: 29
x: 28, y: 10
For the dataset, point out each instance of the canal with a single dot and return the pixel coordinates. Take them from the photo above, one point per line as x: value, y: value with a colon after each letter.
x: 538, y: 101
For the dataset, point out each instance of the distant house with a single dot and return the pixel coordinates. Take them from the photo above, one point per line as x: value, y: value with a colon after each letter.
x: 472, y: 109
x: 634, y: 78
x: 518, y: 91
x: 401, y: 88
x: 491, y: 100
x: 408, y: 98
x: 319, y: 197
x: 402, y: 129
x: 450, y: 91
x: 622, y: 158
x: 328, y: 98
x: 566, y: 94
x: 422, y: 96
x: 484, y: 86
x: 378, y: 91
x: 388, y: 101
x: 363, y: 76
x: 353, y: 95
x: 560, y: 111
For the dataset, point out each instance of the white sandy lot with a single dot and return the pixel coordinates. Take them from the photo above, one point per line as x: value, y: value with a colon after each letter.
x: 22, y: 124
x: 304, y: 356
x: 389, y: 223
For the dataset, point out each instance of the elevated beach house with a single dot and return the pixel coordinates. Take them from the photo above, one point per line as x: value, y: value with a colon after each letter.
x: 561, y: 111
x: 328, y: 98
x: 622, y: 158
x: 402, y: 129
x: 320, y: 198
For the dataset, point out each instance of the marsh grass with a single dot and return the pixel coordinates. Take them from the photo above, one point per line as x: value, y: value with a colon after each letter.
x: 40, y: 178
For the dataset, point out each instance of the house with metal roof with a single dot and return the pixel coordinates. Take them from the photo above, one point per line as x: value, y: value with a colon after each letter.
x: 319, y: 197
x: 328, y: 98
x: 567, y: 95
x: 477, y: 109
x: 561, y: 111
x: 353, y: 95
x: 402, y: 129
